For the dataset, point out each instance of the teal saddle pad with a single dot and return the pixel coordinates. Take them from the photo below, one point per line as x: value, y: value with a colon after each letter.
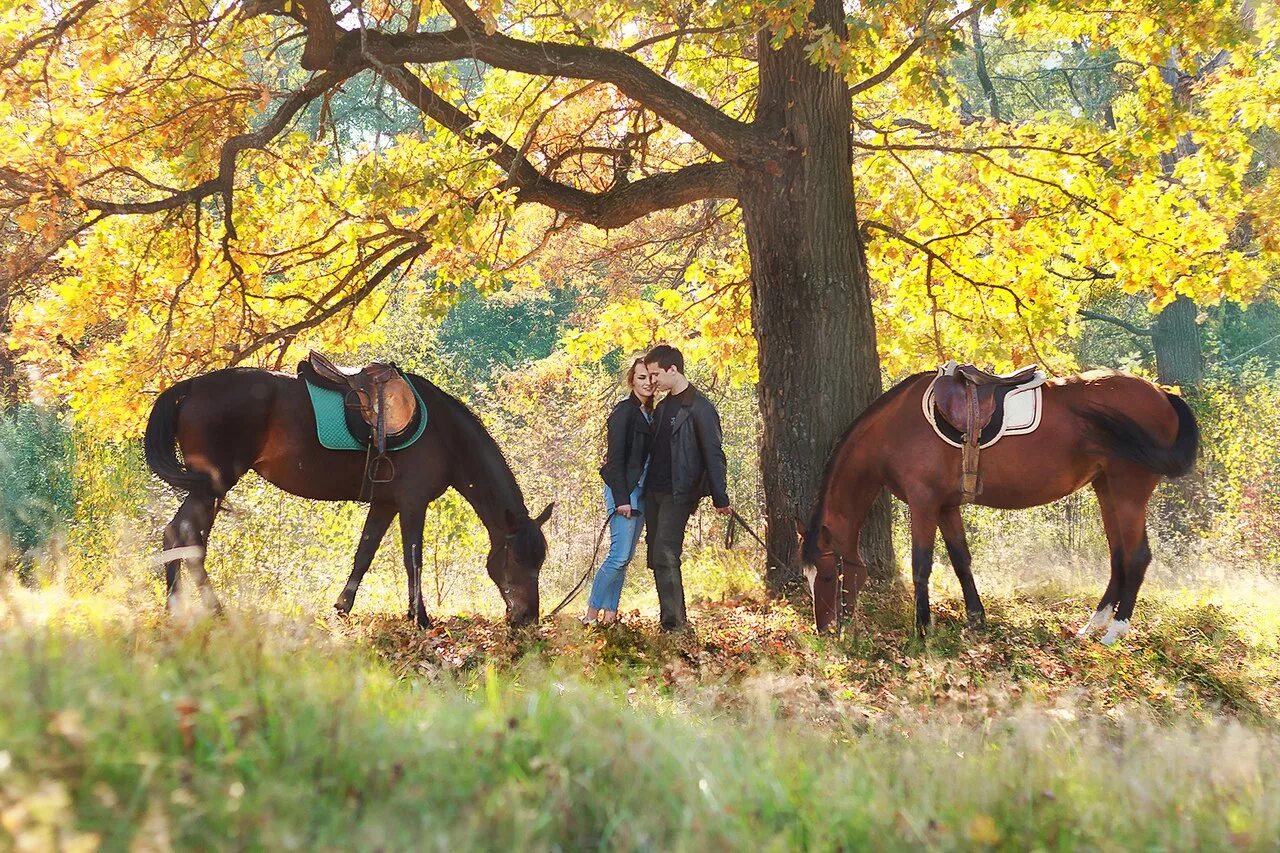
x: 331, y: 420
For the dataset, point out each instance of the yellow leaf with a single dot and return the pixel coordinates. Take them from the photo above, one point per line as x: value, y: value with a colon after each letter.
x: 982, y: 830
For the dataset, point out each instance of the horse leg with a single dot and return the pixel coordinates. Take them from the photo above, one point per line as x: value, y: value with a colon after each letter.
x: 1101, y: 617
x: 412, y: 520
x: 375, y: 527
x: 924, y: 530
x: 1131, y: 518
x: 190, y: 529
x: 952, y: 527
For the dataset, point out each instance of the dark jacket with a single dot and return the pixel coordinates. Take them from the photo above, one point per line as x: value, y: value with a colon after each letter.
x: 627, y: 449
x: 698, y: 465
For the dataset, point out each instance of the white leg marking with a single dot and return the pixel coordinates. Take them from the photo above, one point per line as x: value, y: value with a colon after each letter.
x: 1117, y: 630
x: 1099, y: 620
x: 184, y: 552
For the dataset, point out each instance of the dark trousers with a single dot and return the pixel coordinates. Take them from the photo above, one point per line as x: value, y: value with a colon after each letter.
x: 665, y: 520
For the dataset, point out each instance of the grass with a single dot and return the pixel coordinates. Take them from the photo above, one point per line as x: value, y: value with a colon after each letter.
x: 122, y: 730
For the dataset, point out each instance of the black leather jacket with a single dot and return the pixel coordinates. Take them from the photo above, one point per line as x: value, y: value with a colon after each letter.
x: 627, y: 449
x: 698, y: 466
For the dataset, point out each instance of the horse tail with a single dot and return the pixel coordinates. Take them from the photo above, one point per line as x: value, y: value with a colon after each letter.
x: 161, y: 442
x: 1122, y: 436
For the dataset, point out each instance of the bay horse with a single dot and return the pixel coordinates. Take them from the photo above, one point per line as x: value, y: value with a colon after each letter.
x: 1116, y: 432
x: 232, y: 421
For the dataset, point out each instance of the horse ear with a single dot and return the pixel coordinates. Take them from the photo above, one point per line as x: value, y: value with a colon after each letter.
x: 545, y: 514
x: 824, y: 538
x: 509, y: 519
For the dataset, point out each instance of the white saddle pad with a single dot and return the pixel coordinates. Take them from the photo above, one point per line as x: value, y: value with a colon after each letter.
x: 1022, y: 408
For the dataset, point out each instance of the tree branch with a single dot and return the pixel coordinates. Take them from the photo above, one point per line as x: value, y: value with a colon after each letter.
x: 726, y: 137
x: 1116, y: 321
x: 910, y: 51
x: 349, y: 300
x: 611, y: 209
x: 224, y: 183
x: 322, y: 32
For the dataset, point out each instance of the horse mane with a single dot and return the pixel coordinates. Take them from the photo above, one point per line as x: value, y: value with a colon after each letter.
x: 809, y: 550
x: 495, y: 479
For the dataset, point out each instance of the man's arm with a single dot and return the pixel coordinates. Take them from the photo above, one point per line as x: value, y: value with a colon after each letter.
x: 711, y: 441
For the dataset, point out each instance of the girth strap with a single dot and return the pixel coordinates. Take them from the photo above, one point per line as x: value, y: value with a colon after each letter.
x: 969, y: 485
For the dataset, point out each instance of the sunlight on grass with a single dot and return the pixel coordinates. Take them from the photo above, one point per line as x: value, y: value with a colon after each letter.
x: 281, y: 726
x: 286, y: 736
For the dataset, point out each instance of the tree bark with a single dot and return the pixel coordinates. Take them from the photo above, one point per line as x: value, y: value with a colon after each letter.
x: 811, y: 301
x: 1176, y: 339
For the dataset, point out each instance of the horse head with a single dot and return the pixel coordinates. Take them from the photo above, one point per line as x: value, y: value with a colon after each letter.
x: 515, y: 562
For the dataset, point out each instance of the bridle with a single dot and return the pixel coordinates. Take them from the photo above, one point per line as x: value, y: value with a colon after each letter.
x: 841, y: 606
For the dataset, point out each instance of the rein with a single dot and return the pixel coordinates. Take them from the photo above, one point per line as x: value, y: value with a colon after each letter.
x: 590, y: 568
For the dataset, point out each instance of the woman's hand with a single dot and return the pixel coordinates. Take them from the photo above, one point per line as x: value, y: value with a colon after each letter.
x: 625, y: 510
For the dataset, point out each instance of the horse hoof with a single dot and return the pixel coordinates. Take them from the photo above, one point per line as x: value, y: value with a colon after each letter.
x: 343, y: 604
x: 1099, y: 620
x: 1117, y: 630
x: 977, y: 619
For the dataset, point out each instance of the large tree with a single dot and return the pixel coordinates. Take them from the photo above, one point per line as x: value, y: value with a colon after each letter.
x: 786, y: 117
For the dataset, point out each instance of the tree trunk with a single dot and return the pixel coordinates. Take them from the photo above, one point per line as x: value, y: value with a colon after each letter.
x: 8, y: 367
x: 811, y: 301
x: 1176, y: 338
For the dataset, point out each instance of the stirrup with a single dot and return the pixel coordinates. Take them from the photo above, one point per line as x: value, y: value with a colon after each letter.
x: 376, y: 467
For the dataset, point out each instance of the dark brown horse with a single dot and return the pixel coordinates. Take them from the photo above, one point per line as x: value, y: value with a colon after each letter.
x: 1118, y: 433
x: 232, y: 421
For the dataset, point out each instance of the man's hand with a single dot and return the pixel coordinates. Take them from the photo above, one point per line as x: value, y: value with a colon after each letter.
x: 625, y: 510
x: 725, y: 510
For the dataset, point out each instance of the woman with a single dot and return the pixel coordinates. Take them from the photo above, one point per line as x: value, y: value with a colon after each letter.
x: 626, y: 462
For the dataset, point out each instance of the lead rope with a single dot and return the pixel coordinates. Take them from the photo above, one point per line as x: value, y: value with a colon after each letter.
x: 841, y: 607
x: 590, y: 568
x: 734, y: 518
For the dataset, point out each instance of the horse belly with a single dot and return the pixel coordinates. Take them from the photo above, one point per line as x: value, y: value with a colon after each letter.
x: 293, y: 459
x: 321, y: 474
x: 1021, y: 472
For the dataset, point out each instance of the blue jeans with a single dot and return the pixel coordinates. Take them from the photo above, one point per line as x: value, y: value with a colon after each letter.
x: 624, y: 533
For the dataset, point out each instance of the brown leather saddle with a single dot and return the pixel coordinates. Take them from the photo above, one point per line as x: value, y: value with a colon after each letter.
x: 379, y: 395
x: 968, y: 398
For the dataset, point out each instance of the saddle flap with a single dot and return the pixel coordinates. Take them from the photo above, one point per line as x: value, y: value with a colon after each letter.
x: 952, y: 402
x: 398, y: 403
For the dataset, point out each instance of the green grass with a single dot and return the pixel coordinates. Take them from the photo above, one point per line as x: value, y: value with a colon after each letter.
x: 264, y: 733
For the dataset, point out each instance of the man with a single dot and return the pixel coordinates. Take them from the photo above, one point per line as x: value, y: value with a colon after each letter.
x: 686, y: 463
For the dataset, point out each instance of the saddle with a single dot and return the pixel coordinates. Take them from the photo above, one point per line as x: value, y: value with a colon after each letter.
x: 378, y: 393
x: 968, y: 398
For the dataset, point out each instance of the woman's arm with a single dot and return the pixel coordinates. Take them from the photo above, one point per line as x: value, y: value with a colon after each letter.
x: 614, y: 471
